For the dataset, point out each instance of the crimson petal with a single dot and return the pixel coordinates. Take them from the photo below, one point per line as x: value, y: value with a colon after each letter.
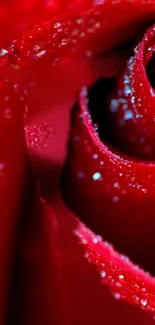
x: 69, y: 35
x: 64, y: 278
x: 12, y: 177
x: 108, y: 191
x: 132, y: 106
x: 27, y: 49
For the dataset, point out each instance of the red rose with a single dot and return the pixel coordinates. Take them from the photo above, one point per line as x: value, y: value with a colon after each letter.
x: 94, y: 62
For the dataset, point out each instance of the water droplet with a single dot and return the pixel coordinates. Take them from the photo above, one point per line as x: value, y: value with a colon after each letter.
x: 16, y: 88
x: 40, y: 54
x: 143, y: 302
x: 95, y: 156
x: 128, y: 115
x: 7, y: 113
x: 57, y: 25
x: 125, y: 106
x: 95, y: 127
x: 152, y: 91
x: 126, y: 79
x: 114, y: 105
x: 97, y: 25
x: 99, y: 238
x: 124, y: 258
x: 117, y: 295
x: 121, y: 277
x: 132, y: 99
x: 135, y: 298
x: 82, y: 34
x: 106, y: 244
x: 127, y: 90
x: 97, y: 176
x: 118, y: 284
x: 95, y: 240
x: 6, y: 98
x: 3, y: 56
x: 64, y: 42
x: 115, y: 199
x: 84, y: 241
x: 79, y: 21
x: 80, y: 175
x: 3, y: 52
x: 103, y: 274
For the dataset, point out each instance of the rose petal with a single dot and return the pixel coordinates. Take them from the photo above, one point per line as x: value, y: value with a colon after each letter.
x: 12, y: 177
x: 75, y: 34
x: 109, y: 191
x: 130, y: 11
x: 59, y: 281
x: 132, y: 122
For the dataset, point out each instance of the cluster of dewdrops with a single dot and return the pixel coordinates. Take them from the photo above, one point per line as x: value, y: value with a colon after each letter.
x: 134, y: 289
x: 128, y: 104
x: 39, y: 136
x: 101, y: 162
x: 108, y: 273
x: 124, y: 99
x: 54, y: 38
